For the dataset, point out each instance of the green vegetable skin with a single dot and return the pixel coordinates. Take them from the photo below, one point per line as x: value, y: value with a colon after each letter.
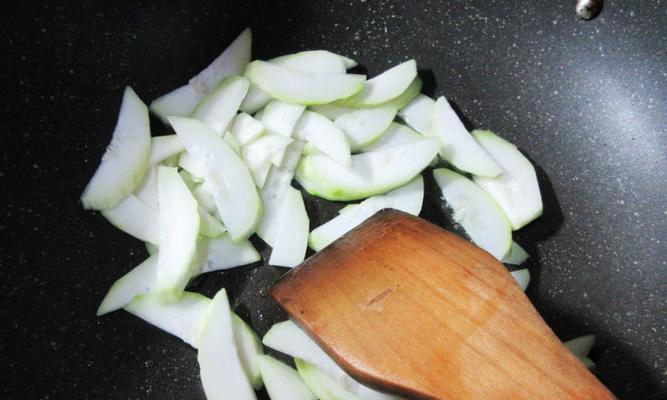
x: 282, y: 381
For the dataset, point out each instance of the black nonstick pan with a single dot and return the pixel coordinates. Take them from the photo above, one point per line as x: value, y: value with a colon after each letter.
x: 586, y: 101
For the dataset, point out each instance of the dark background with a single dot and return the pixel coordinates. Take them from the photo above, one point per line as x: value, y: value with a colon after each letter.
x: 586, y: 101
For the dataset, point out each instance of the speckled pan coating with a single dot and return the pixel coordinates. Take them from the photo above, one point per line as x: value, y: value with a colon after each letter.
x: 585, y: 101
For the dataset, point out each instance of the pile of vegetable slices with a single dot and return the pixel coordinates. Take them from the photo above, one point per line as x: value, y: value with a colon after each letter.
x: 243, y: 132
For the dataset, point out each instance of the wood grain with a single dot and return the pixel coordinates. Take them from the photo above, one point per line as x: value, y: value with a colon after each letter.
x: 407, y: 307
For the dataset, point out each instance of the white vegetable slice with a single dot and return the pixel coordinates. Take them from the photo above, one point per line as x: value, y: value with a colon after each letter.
x: 418, y: 113
x: 138, y: 281
x: 246, y: 128
x: 219, y: 106
x: 319, y: 383
x: 516, y: 190
x: 263, y: 152
x: 476, y: 212
x: 232, y: 61
x: 288, y: 338
x: 522, y: 277
x: 516, y: 256
x: 292, y: 238
x: 323, y: 135
x: 255, y: 100
x: 126, y: 158
x: 407, y: 198
x: 183, y: 101
x: 580, y: 347
x: 301, y: 87
x: 223, y: 253
x: 249, y: 349
x: 179, y: 227
x: 313, y: 61
x: 202, y: 193
x: 189, y: 163
x: 151, y: 248
x: 331, y: 111
x: 282, y: 381
x: 220, y: 368
x: 179, y: 102
x: 232, y: 186
x: 163, y: 147
x: 458, y: 146
x: 280, y: 117
x: 232, y: 142
x: 407, y: 96
x: 135, y: 218
x: 369, y: 174
x: 147, y: 191
x: 384, y: 87
x: 364, y: 126
x: 209, y: 226
x: 180, y: 318
x: 274, y: 189
x: 396, y: 135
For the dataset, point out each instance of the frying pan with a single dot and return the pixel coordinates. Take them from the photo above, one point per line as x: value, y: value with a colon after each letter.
x: 585, y: 101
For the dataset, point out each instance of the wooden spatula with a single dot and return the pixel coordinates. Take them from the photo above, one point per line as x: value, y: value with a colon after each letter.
x: 409, y: 308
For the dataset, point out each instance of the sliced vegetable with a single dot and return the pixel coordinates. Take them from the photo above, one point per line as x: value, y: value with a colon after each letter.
x: 164, y: 147
x: 476, y: 211
x: 179, y: 102
x: 384, y: 87
x: 301, y: 87
x: 282, y: 381
x: 407, y: 96
x: 324, y: 136
x: 220, y: 105
x: 516, y: 190
x: 320, y: 384
x: 249, y: 349
x: 275, y: 187
x: 202, y: 193
x: 418, y: 113
x: 396, y: 135
x: 246, y: 128
x: 183, y: 101
x: 232, y: 186
x: 255, y: 100
x: 522, y: 277
x: 220, y: 368
x: 370, y: 173
x: 147, y: 191
x: 331, y: 111
x: 209, y: 226
x: 313, y: 61
x: 190, y: 164
x: 263, y: 152
x: 223, y: 253
x: 232, y: 142
x: 407, y: 198
x: 292, y: 238
x: 179, y: 227
x: 516, y: 256
x: 458, y: 146
x: 280, y: 118
x: 363, y: 127
x: 180, y: 318
x: 126, y: 158
x: 134, y: 217
x: 580, y: 347
x: 288, y: 338
x: 151, y: 248
x: 232, y: 61
x: 138, y: 281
